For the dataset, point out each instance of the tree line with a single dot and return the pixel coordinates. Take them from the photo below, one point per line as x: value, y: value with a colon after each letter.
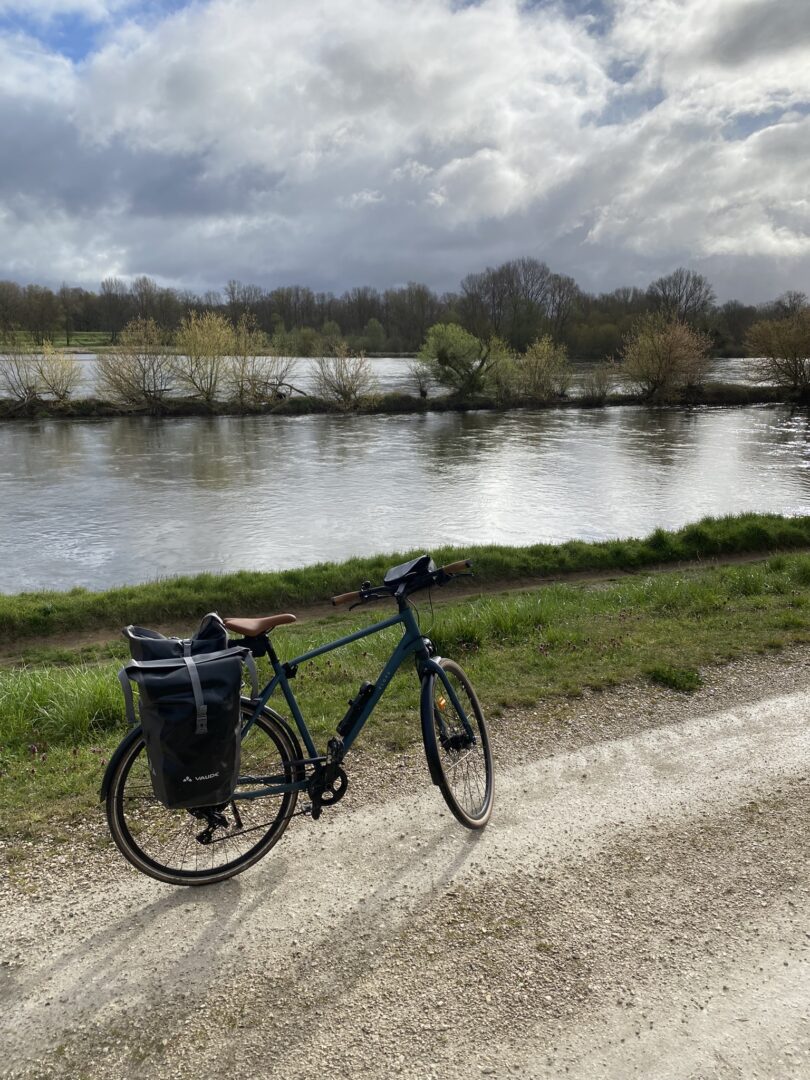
x: 518, y: 302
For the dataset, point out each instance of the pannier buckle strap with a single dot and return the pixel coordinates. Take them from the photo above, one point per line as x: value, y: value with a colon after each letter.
x: 202, y: 709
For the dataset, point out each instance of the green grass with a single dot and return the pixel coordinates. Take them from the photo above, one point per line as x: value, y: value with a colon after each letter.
x: 684, y: 679
x: 185, y: 599
x: 58, y: 725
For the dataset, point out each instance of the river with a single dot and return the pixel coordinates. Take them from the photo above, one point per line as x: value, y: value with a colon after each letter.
x: 101, y: 503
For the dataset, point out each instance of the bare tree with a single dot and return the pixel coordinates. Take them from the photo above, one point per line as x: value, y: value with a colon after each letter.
x: 563, y: 295
x: 789, y: 303
x: 683, y: 295
x: 661, y: 355
x: 115, y: 306
x: 11, y: 300
x: 782, y: 348
x: 255, y: 378
x: 58, y: 373
x: 138, y: 371
x: 342, y: 379
x: 19, y: 377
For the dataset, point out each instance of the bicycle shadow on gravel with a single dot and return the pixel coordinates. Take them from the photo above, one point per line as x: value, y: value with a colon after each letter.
x: 348, y: 941
x: 96, y: 964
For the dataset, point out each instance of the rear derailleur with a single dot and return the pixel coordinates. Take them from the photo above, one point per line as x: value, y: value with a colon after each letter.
x: 215, y: 819
x: 329, y: 781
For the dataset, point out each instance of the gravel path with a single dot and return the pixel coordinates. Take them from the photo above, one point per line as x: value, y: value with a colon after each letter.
x: 638, y: 906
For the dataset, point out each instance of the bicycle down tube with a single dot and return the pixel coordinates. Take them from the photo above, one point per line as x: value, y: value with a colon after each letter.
x: 410, y: 643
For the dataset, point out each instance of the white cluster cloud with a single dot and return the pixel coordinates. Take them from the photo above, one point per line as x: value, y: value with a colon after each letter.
x: 338, y: 142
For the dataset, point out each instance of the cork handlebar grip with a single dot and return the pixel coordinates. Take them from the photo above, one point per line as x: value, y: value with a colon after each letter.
x: 457, y: 567
x: 345, y: 597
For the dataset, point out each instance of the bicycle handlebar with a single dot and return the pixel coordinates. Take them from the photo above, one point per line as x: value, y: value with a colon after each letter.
x: 438, y: 577
x: 455, y: 567
x: 345, y: 597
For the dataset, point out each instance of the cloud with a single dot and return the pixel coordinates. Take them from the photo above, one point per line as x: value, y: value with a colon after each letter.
x: 341, y: 142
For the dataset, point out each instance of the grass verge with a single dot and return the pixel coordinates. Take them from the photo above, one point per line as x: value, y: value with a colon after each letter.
x: 59, y: 725
x: 38, y: 615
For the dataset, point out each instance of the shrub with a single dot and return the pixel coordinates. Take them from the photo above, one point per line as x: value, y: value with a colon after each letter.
x: 59, y: 374
x: 19, y: 376
x: 253, y: 377
x: 663, y: 355
x: 343, y: 380
x: 598, y: 382
x: 138, y: 371
x: 544, y: 371
x: 782, y: 347
x: 420, y: 377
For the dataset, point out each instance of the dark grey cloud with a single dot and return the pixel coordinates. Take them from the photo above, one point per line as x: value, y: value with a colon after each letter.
x: 760, y: 28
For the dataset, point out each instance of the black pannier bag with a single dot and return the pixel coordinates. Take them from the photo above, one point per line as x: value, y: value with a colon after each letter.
x: 190, y: 716
x: 145, y: 644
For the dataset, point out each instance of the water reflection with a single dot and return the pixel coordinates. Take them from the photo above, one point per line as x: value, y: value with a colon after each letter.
x: 100, y: 503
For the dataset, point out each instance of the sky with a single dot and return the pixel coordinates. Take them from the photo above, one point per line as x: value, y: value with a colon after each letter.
x: 335, y: 143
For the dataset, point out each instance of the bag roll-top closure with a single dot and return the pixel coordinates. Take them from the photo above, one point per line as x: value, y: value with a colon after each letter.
x: 149, y: 644
x: 137, y: 669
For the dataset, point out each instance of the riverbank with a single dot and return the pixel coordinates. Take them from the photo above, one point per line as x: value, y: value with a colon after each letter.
x: 395, y: 403
x: 39, y: 615
x: 61, y: 713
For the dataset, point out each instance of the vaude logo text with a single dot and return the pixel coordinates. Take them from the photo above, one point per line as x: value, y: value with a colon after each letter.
x: 191, y: 779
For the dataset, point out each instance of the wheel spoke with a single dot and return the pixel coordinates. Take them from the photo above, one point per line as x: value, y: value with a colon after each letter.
x: 463, y: 748
x: 163, y: 842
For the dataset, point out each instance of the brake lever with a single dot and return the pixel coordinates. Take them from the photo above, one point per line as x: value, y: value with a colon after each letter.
x: 369, y: 598
x: 446, y: 578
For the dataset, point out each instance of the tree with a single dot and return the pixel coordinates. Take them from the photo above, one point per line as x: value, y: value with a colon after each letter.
x: 374, y: 336
x: 144, y: 292
x: 563, y: 297
x: 782, y: 347
x: 40, y: 312
x: 662, y: 355
x: 138, y: 371
x: 459, y: 360
x: 115, y: 306
x: 11, y: 303
x: 683, y: 295
x: 70, y: 300
x: 203, y: 342
x: 789, y: 303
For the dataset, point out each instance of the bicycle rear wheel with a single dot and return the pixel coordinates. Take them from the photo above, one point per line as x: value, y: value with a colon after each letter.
x: 180, y: 846
x: 457, y: 744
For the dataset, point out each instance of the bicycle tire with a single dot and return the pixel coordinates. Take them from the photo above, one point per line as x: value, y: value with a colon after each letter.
x: 460, y: 766
x: 164, y: 843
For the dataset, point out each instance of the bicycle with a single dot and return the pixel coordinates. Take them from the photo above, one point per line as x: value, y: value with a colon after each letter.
x: 208, y: 844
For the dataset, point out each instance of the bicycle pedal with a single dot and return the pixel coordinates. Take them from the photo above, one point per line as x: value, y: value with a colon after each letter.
x: 305, y: 809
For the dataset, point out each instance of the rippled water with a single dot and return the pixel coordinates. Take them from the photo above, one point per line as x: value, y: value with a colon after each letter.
x: 106, y: 502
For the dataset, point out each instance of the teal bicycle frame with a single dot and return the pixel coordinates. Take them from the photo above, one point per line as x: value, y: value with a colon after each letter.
x: 412, y: 643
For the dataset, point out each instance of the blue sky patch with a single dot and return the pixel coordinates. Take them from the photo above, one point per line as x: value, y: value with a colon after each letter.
x: 745, y: 124
x: 76, y: 35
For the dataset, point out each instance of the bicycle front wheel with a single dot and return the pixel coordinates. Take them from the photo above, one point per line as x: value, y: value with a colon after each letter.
x: 191, y: 847
x: 457, y: 744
